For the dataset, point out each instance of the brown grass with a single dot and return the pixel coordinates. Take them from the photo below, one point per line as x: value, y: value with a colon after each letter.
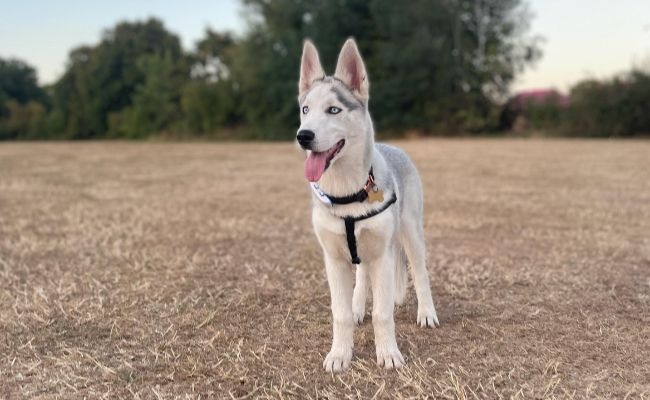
x: 161, y: 271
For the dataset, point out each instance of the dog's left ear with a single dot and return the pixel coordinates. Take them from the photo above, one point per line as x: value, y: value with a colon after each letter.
x: 351, y: 71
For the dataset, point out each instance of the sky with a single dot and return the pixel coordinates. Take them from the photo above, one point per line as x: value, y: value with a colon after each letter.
x: 582, y: 38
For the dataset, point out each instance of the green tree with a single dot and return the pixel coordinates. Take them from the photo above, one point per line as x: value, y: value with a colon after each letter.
x: 444, y: 63
x: 211, y: 100
x: 18, y: 82
x: 208, y: 106
x: 23, y: 104
x: 433, y: 65
x: 155, y: 101
x: 23, y: 121
x: 102, y: 80
x: 616, y: 107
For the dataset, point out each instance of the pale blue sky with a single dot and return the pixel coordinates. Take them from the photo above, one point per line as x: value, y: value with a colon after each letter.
x: 583, y: 38
x: 588, y: 38
x: 42, y: 32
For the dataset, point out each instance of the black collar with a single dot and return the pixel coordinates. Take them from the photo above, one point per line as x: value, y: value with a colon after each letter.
x: 358, y: 197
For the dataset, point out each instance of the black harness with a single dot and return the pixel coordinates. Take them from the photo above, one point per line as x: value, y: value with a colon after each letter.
x: 359, y: 197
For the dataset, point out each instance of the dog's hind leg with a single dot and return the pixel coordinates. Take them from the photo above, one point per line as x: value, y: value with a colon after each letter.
x: 412, y: 238
x: 360, y: 294
x: 382, y: 273
x: 401, y: 276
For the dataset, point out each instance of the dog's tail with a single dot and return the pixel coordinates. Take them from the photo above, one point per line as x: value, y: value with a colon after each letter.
x: 401, y: 277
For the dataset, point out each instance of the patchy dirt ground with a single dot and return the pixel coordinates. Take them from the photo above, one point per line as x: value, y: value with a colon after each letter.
x: 190, y: 271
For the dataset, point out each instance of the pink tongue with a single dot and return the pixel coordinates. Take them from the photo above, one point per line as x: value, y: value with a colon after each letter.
x: 315, y: 166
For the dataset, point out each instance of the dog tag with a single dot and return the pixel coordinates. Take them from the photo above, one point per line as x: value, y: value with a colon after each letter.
x: 375, y: 195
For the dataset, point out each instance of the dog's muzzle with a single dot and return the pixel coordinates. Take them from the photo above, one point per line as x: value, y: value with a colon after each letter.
x: 305, y: 137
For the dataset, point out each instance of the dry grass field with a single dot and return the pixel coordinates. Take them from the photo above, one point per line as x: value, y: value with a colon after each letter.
x: 190, y: 271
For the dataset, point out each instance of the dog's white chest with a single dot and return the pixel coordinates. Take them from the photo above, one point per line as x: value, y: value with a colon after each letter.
x: 372, y: 235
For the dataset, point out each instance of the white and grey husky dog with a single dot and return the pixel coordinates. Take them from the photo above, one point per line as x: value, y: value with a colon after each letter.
x: 367, y: 207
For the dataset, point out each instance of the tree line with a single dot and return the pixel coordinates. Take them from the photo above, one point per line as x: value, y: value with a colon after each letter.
x: 615, y: 107
x: 435, y: 67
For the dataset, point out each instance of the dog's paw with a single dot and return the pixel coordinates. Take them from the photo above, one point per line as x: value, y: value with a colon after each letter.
x: 337, y: 360
x: 428, y: 318
x: 358, y: 316
x: 358, y: 306
x: 390, y: 358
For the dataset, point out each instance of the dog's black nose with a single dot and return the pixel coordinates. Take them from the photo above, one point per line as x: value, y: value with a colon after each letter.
x: 305, y: 137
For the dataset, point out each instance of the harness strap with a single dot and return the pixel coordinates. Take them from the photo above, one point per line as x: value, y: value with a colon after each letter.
x: 352, y: 240
x: 349, y: 228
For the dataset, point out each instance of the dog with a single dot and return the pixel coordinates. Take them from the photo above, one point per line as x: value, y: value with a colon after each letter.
x: 367, y: 207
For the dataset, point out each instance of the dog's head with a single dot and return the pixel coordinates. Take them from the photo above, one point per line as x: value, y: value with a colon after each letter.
x: 333, y: 109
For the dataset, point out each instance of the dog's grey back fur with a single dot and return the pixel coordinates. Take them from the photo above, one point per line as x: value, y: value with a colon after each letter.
x: 406, y: 178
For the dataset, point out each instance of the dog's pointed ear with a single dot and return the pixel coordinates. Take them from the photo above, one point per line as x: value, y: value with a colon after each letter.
x: 310, y: 68
x: 351, y: 71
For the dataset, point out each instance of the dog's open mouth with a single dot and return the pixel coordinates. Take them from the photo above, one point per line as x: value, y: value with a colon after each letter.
x: 317, y: 162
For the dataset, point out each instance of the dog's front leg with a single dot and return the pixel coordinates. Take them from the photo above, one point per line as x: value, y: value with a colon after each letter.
x: 340, y: 278
x: 360, y: 294
x: 382, y: 273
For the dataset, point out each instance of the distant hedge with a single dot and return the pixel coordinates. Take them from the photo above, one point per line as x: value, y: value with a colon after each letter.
x: 611, y: 108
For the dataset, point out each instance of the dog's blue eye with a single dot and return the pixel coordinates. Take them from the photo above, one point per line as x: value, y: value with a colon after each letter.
x: 333, y: 110
x: 305, y: 110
